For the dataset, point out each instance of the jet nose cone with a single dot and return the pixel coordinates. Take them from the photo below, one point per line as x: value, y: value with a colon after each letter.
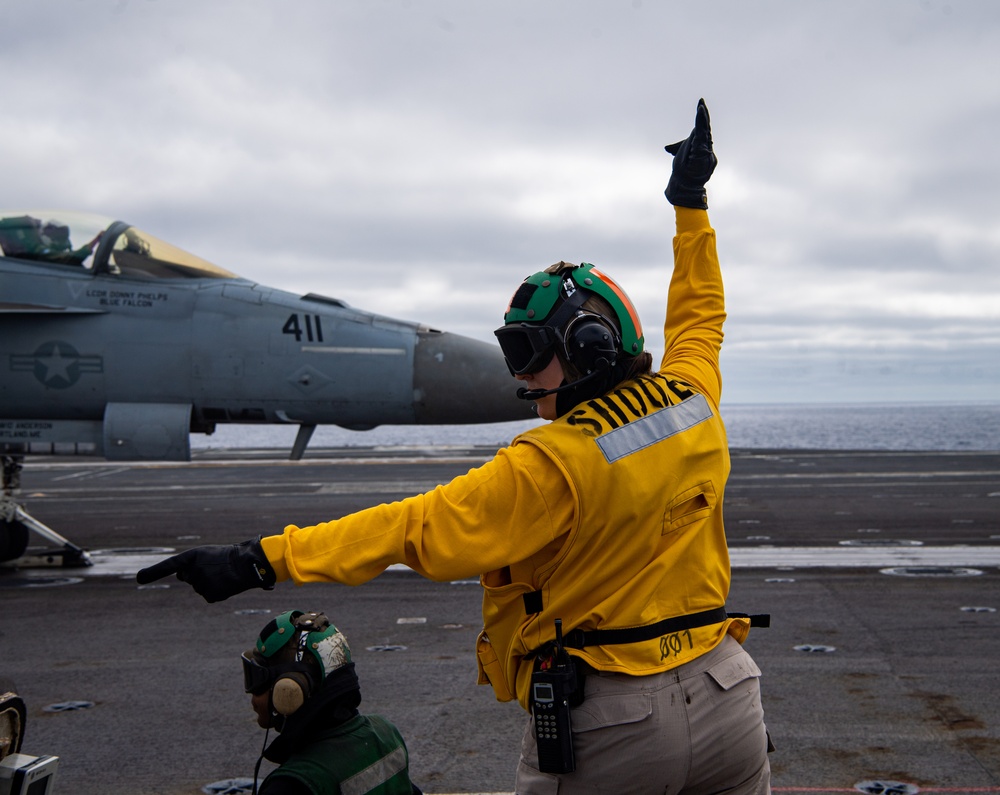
x: 460, y: 380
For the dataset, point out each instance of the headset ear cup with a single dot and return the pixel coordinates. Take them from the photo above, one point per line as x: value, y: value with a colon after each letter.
x: 289, y: 693
x: 591, y: 345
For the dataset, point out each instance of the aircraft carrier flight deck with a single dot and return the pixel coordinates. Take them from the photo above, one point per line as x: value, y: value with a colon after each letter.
x: 880, y: 570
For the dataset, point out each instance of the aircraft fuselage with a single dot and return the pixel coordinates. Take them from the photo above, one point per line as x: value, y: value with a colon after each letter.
x: 133, y: 353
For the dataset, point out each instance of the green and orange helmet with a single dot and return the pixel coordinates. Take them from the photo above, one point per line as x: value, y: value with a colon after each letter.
x: 547, y: 314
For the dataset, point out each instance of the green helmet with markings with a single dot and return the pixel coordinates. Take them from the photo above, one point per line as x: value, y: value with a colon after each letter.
x: 294, y: 655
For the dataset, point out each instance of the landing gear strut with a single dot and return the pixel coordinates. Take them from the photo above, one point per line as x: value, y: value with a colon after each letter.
x: 16, y: 522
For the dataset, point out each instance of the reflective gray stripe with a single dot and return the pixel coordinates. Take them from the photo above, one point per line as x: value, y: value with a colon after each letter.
x: 654, y: 428
x: 375, y: 774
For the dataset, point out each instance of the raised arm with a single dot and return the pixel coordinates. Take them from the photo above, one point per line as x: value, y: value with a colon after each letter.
x: 696, y: 301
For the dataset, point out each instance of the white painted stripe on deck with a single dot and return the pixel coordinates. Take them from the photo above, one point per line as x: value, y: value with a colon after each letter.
x: 123, y: 564
x: 862, y: 557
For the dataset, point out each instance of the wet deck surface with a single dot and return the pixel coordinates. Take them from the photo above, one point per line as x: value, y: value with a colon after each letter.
x: 881, y: 572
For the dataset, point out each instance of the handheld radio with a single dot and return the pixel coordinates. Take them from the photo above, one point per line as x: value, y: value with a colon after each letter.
x: 550, y: 696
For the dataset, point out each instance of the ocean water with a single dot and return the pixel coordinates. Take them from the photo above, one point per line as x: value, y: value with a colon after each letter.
x: 875, y: 426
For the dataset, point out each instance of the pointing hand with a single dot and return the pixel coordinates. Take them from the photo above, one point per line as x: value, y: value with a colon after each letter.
x: 216, y: 572
x: 694, y: 162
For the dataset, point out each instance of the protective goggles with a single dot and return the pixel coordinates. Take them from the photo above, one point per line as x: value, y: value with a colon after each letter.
x: 256, y: 677
x: 527, y: 348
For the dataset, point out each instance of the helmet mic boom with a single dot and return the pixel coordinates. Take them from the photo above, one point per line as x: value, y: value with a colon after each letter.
x: 536, y: 394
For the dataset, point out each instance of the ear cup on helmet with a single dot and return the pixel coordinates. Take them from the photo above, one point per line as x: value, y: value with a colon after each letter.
x: 591, y: 344
x: 290, y: 692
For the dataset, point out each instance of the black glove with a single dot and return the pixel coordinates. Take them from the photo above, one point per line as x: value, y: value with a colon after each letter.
x: 694, y: 162
x: 216, y: 572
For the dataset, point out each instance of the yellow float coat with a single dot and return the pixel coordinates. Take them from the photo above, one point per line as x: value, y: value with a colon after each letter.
x: 609, y: 517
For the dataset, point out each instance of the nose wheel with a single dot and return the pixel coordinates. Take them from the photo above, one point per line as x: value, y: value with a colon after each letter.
x: 16, y: 525
x: 13, y: 540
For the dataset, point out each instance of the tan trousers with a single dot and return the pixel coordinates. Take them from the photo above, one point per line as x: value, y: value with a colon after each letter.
x: 696, y: 729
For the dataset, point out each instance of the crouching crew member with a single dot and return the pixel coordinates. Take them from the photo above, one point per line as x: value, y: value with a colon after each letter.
x: 302, y: 683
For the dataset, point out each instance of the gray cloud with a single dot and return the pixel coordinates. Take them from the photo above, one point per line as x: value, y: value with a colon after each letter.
x: 419, y: 158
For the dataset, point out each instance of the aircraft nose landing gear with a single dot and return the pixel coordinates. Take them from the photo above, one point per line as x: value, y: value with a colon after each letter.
x: 16, y: 522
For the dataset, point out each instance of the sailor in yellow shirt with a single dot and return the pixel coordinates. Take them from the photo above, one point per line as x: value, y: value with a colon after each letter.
x: 607, y: 520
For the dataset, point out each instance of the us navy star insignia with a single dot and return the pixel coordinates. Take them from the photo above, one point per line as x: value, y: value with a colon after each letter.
x: 57, y: 364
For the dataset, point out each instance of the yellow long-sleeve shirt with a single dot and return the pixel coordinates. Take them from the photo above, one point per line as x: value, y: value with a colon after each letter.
x: 609, y: 517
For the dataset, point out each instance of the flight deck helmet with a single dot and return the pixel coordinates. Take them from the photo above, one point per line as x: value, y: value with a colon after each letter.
x: 294, y: 654
x: 553, y: 311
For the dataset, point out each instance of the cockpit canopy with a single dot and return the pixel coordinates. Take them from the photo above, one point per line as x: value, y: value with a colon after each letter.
x: 100, y: 245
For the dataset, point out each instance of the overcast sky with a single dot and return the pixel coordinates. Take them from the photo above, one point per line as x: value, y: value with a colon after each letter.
x: 419, y: 158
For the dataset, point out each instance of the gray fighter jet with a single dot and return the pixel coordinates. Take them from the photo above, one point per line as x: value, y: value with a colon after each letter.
x: 118, y: 344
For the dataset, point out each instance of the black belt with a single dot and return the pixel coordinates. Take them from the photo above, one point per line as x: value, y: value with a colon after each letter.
x: 578, y: 638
